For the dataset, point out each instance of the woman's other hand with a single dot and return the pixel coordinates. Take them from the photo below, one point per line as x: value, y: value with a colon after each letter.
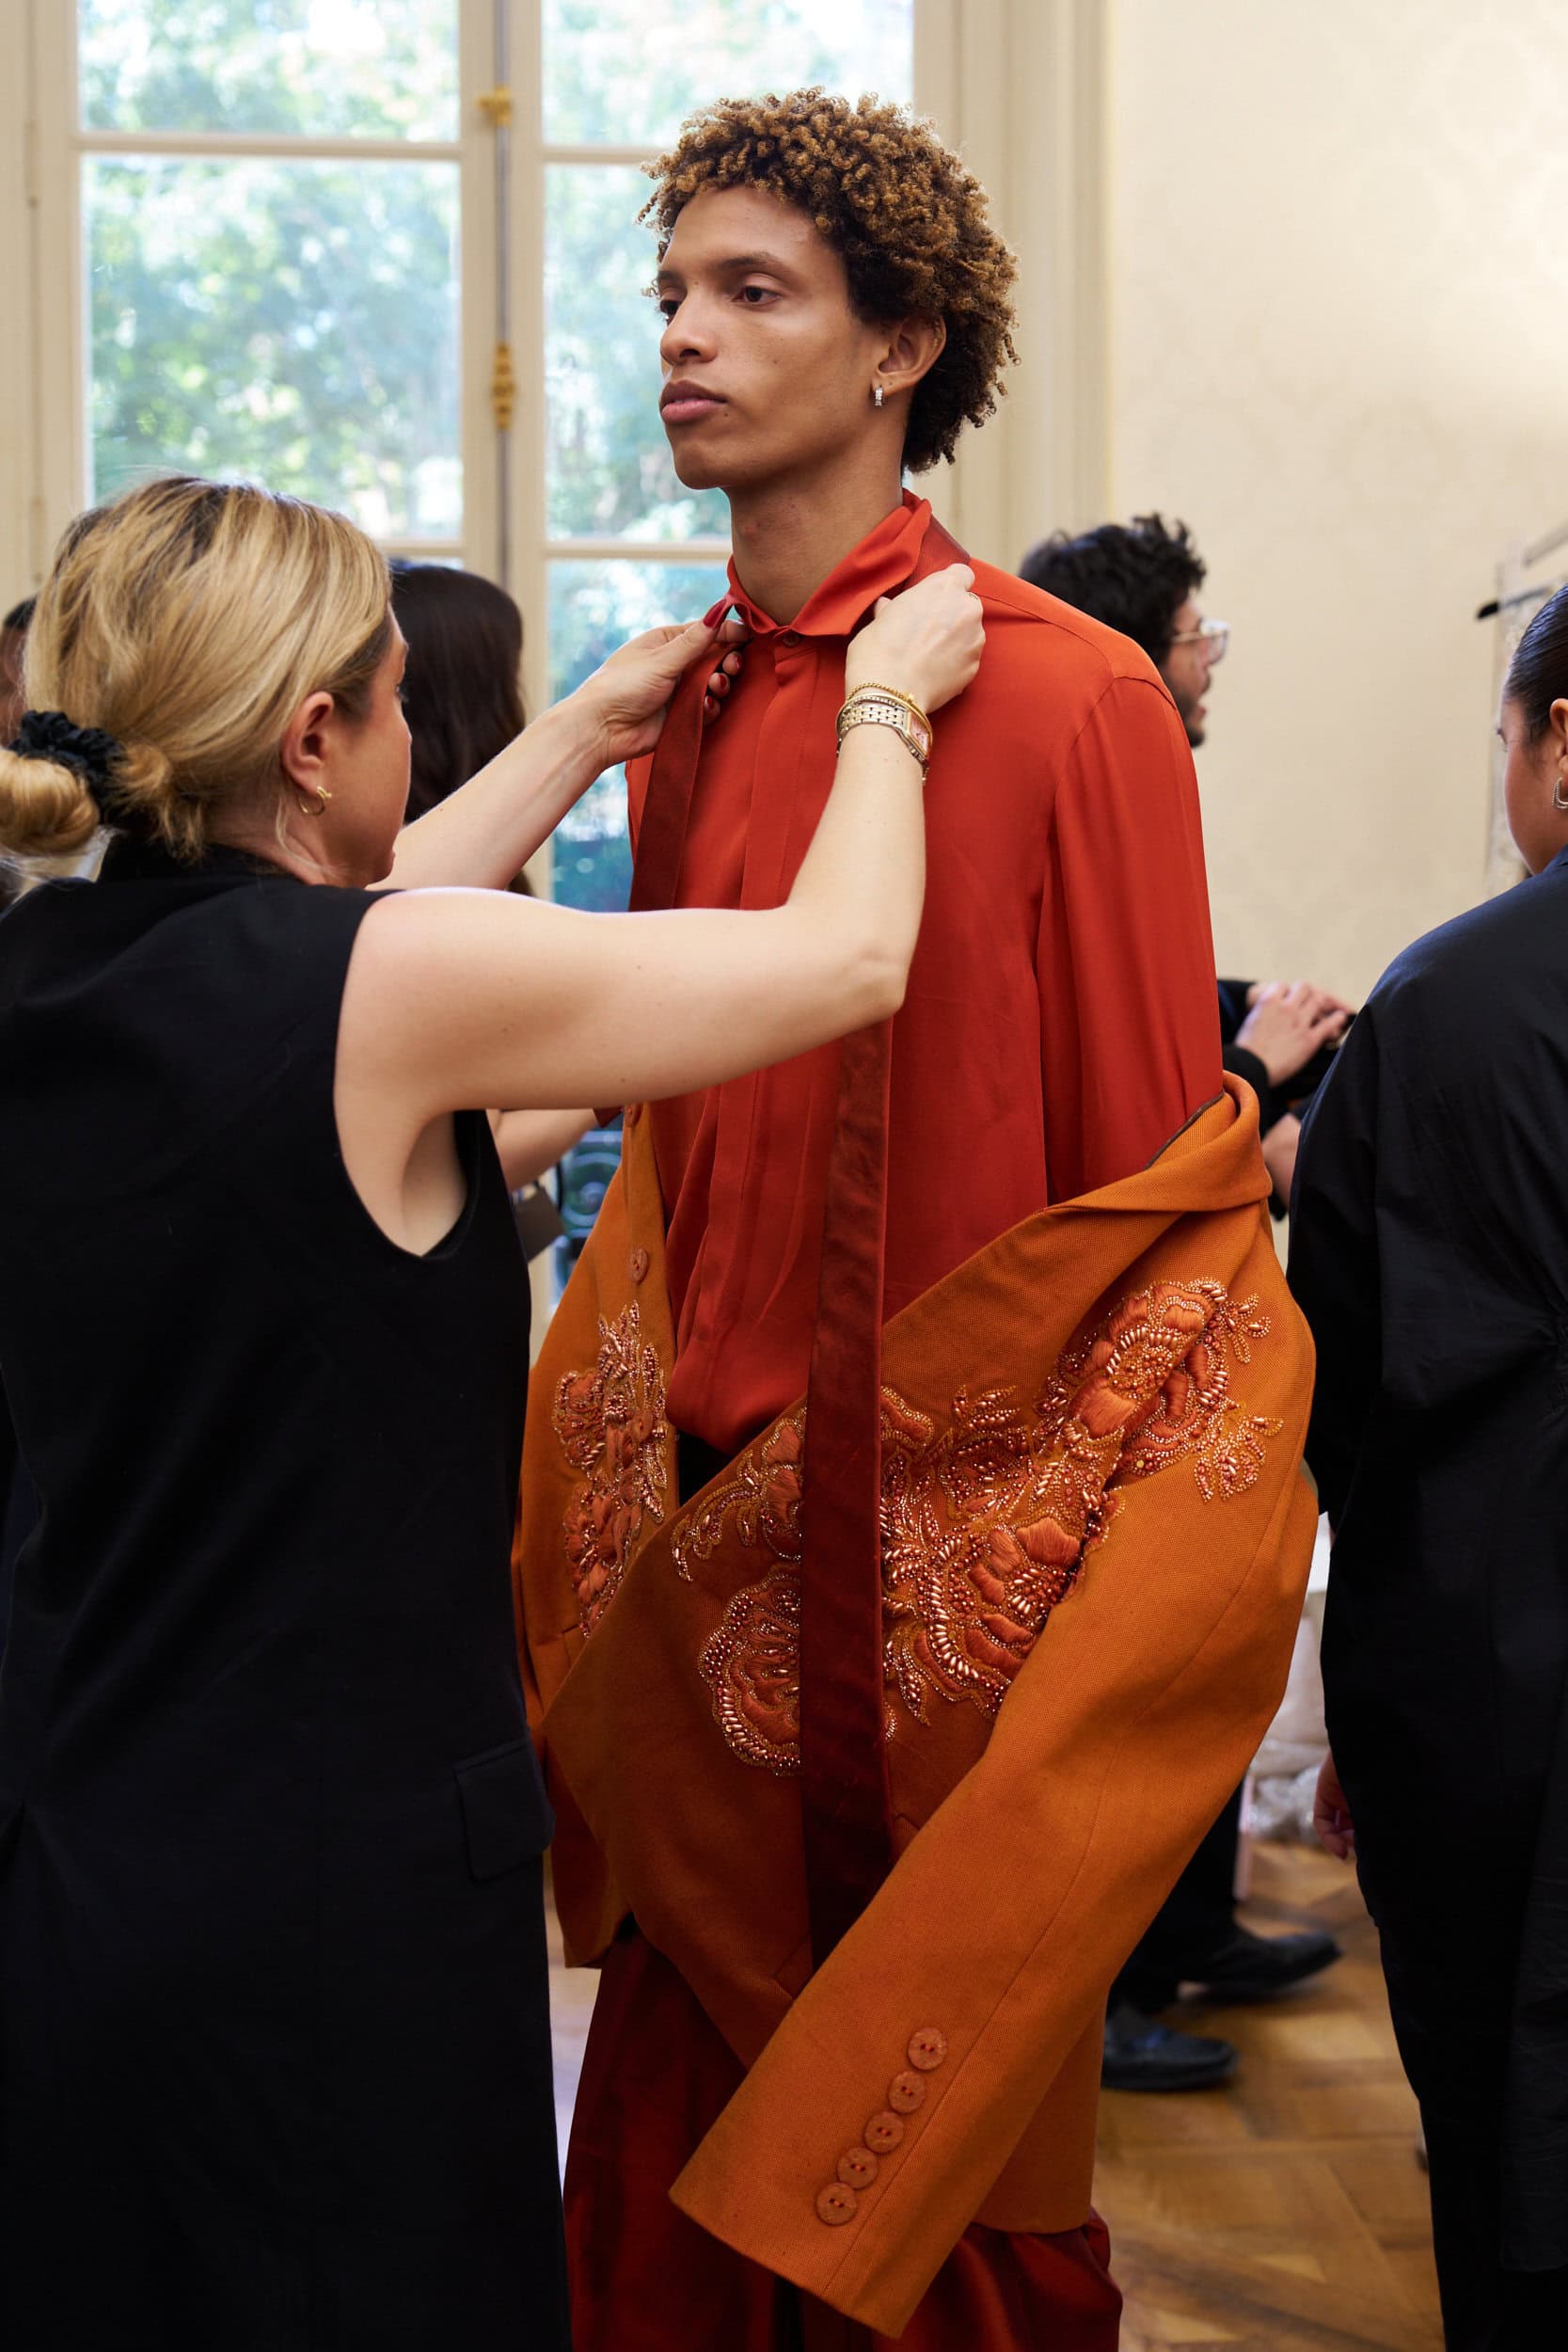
x: 926, y: 642
x: 624, y: 701
x: 1331, y: 1818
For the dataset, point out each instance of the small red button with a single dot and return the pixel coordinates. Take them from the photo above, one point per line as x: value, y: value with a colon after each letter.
x: 637, y: 1265
x: 883, y: 2132
x: 858, y: 2167
x: 836, y: 2205
x: 928, y: 2048
x: 789, y: 639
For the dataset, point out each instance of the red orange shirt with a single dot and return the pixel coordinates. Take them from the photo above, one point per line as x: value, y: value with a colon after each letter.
x: 1061, y: 1020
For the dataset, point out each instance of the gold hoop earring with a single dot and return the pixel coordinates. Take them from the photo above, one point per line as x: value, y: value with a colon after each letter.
x: 316, y: 807
x: 876, y: 394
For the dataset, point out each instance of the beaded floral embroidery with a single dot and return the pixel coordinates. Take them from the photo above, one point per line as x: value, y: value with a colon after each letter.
x: 985, y: 1520
x: 612, y: 1426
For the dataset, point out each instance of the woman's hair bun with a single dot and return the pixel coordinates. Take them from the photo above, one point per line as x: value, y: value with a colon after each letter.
x: 45, y: 807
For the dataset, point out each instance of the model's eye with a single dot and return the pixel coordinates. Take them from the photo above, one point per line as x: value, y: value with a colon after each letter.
x: 757, y: 295
x: 667, y: 305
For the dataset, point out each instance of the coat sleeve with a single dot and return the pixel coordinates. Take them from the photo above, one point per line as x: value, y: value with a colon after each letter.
x: 931, y: 2034
x: 1129, y: 1006
x: 1333, y: 1268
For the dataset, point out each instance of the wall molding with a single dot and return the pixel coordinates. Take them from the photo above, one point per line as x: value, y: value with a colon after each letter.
x: 1021, y: 89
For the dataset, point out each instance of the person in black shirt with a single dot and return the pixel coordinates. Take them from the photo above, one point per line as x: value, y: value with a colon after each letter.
x: 1429, y: 1256
x: 1142, y: 578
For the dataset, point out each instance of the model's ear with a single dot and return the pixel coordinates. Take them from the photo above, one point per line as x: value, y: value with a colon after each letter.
x: 913, y: 349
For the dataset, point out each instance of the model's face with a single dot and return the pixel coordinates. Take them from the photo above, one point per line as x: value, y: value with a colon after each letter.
x: 1187, y: 671
x: 767, y: 369
x: 1532, y: 771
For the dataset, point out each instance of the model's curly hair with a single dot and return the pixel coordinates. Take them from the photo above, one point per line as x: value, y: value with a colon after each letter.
x: 899, y: 209
x: 1135, y: 576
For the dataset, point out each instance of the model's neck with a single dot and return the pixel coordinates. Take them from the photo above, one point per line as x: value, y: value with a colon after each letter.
x: 789, y: 535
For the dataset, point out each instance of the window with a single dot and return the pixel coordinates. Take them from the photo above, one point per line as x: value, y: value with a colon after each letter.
x: 270, y: 240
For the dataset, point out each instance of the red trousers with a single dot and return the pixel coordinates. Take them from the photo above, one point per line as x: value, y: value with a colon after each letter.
x: 644, y: 2279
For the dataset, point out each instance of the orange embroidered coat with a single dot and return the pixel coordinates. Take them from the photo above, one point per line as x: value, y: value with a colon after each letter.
x: 1095, y: 1539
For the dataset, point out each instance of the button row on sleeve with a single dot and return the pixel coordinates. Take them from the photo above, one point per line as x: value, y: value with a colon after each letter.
x: 858, y: 2167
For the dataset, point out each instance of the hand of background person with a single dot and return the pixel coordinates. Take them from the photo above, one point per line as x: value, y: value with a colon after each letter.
x: 1331, y: 1820
x: 926, y: 642
x: 625, y: 699
x: 1280, y: 1155
x: 1287, y: 1024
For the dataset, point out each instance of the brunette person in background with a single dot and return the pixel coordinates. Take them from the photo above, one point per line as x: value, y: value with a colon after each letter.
x: 463, y: 698
x: 272, y: 1956
x: 1142, y: 578
x: 1428, y: 1251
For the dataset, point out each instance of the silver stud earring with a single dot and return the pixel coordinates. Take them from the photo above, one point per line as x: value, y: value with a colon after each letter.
x: 876, y: 394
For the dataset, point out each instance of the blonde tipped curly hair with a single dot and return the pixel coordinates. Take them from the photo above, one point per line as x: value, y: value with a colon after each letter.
x: 907, y: 220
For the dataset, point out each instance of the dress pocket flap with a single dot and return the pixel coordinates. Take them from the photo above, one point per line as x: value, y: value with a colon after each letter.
x: 506, y: 1813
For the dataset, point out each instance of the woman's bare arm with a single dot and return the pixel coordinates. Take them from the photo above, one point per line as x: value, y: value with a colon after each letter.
x: 456, y: 998
x: 530, y: 1143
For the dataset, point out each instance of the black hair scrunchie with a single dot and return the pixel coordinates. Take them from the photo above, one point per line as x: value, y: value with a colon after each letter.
x: 88, y: 751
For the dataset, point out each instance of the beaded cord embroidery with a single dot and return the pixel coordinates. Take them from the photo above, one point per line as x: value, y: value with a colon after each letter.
x: 985, y: 1520
x: 612, y: 1426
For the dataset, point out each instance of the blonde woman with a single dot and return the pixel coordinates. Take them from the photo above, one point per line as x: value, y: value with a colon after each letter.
x: 274, y: 2054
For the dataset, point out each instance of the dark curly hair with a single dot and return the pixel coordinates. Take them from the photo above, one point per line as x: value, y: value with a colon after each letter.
x: 1135, y: 577
x: 906, y: 219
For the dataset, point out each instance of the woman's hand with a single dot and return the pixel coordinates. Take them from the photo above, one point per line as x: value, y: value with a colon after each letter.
x: 926, y: 642
x: 624, y: 701
x: 1331, y: 1815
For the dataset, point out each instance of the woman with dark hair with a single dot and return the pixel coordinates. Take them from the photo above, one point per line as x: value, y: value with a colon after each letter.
x: 462, y: 691
x: 463, y: 699
x: 1429, y: 1248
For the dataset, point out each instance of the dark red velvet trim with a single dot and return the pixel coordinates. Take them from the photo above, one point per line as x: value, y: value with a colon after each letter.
x: 846, y: 1803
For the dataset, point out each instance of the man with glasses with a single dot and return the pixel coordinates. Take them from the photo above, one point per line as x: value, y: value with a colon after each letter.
x: 1142, y: 578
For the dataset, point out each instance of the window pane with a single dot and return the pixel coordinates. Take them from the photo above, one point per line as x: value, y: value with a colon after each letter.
x: 608, y: 469
x: 592, y: 609
x: 295, y: 323
x: 325, y: 69
x: 630, y: 70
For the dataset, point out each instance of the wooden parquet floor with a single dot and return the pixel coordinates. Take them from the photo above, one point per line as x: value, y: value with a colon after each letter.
x: 1285, y: 2212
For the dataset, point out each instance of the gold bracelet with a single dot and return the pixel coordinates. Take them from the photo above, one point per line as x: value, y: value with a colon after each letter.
x: 893, y: 693
x: 915, y: 735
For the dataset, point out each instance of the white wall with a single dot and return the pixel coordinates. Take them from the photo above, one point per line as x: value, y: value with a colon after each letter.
x: 1337, y: 289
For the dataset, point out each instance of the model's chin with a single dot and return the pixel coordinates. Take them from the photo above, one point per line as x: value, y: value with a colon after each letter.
x: 696, y: 467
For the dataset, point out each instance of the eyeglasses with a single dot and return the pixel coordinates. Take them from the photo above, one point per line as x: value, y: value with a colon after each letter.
x: 1212, y: 635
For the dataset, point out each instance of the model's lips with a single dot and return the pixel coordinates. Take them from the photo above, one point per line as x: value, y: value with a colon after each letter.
x: 688, y: 403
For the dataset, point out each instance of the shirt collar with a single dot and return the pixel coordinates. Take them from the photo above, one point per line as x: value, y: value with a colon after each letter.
x: 882, y: 561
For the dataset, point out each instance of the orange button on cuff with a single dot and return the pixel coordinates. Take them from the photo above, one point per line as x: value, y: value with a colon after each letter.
x: 858, y: 2167
x: 883, y: 2132
x: 928, y: 2048
x: 836, y: 2205
x: 905, y: 2093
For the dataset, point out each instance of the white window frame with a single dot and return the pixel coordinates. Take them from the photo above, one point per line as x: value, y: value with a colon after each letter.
x: 54, y: 147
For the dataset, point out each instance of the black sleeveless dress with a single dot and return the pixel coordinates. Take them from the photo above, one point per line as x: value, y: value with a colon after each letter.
x: 275, y: 2065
